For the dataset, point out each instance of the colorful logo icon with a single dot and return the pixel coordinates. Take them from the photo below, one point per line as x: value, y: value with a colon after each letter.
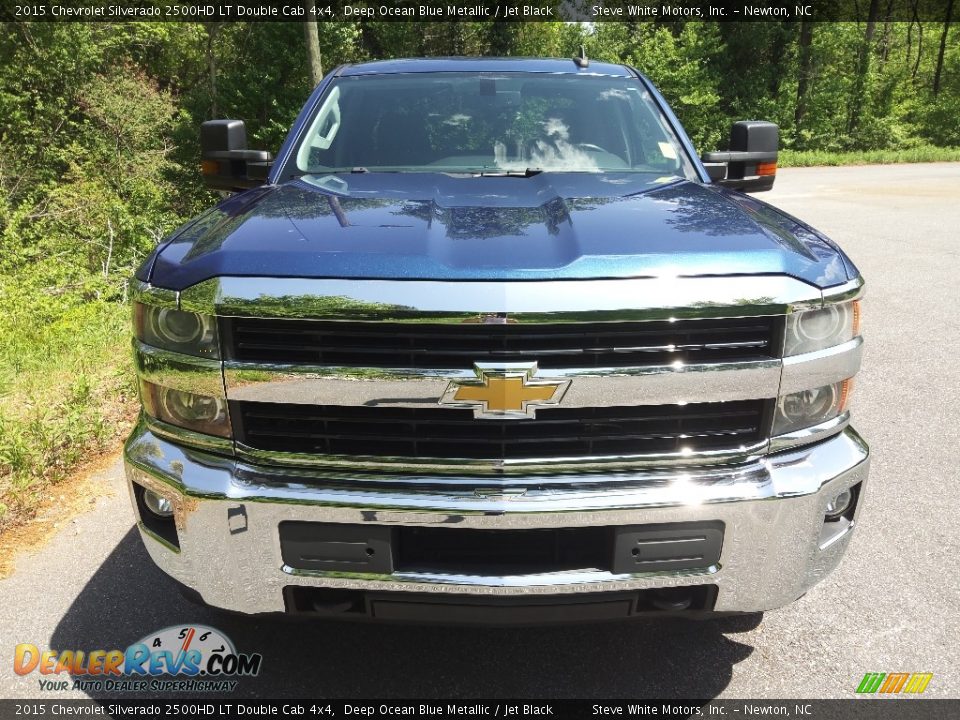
x: 190, y: 650
x: 894, y: 683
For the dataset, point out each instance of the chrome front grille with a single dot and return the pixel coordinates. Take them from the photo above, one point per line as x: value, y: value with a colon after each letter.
x: 551, y: 345
x: 553, y: 433
x: 397, y: 376
x: 372, y: 390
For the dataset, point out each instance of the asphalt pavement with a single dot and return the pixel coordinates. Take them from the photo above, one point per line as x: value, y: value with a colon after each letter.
x: 892, y: 606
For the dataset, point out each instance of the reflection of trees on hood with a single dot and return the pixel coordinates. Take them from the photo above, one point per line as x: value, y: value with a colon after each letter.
x: 783, y: 229
x: 299, y: 203
x: 470, y: 223
x: 477, y: 223
x: 209, y: 232
x: 703, y: 212
x: 729, y: 214
x: 296, y: 202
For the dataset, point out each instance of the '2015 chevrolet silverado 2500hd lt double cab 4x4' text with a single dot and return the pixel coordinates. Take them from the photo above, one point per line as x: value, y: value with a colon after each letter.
x: 488, y: 342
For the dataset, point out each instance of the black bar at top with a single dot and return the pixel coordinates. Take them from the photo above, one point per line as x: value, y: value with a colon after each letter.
x: 466, y: 11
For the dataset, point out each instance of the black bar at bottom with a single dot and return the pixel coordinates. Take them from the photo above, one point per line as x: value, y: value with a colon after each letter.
x: 186, y: 705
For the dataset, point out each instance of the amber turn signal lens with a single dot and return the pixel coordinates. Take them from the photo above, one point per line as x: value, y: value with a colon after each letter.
x: 856, y: 317
x: 767, y: 168
x: 846, y: 390
x: 209, y: 167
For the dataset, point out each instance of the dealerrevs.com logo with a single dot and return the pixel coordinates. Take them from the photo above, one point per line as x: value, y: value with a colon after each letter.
x: 181, y: 658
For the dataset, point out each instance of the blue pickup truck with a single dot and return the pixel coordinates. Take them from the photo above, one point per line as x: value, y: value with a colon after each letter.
x: 488, y: 342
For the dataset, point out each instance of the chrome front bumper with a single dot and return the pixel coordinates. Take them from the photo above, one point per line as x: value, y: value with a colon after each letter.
x: 227, y: 516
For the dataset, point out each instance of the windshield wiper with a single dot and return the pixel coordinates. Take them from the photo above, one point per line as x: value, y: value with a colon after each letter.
x: 358, y: 170
x: 529, y: 172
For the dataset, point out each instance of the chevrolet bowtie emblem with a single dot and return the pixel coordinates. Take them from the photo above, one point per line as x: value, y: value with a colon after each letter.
x: 504, y: 390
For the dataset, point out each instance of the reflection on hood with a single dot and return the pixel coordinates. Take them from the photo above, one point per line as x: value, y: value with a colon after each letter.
x: 548, y: 226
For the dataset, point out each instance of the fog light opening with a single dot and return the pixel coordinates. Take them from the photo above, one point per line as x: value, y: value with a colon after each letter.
x: 838, y: 506
x: 156, y: 516
x: 158, y: 505
x: 671, y: 599
x: 838, y: 515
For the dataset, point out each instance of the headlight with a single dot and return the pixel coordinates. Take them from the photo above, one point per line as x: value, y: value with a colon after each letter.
x: 176, y: 330
x: 818, y: 329
x: 811, y: 407
x: 200, y: 413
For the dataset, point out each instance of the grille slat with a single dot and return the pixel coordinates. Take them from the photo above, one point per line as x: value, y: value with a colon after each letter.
x: 430, y: 345
x: 416, y: 432
x: 544, y: 419
x: 515, y: 441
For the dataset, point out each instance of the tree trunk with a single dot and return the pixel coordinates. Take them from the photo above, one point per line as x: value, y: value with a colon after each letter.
x: 313, y: 42
x: 943, y: 46
x: 887, y: 31
x: 806, y: 70
x: 212, y: 30
x: 913, y: 19
x: 459, y: 38
x: 863, y: 69
x: 781, y: 39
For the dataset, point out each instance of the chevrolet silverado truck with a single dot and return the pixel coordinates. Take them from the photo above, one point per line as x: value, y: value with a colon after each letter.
x: 488, y: 342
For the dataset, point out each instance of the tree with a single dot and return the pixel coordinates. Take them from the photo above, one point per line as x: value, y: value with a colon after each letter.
x: 804, y: 74
x: 684, y: 68
x: 212, y: 30
x: 313, y: 42
x: 859, y: 98
x: 943, y: 46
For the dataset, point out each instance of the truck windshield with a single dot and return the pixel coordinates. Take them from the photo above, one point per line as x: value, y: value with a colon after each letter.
x: 489, y: 124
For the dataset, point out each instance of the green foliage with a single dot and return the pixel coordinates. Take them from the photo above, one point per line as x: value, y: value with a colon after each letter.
x: 714, y: 74
x: 916, y: 154
x: 682, y: 67
x: 938, y: 119
x: 64, y: 388
x: 88, y: 186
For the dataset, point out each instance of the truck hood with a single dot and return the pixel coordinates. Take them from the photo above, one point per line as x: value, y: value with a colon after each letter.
x: 430, y: 226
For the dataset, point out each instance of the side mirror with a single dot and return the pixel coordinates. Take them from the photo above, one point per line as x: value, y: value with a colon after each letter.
x: 751, y: 163
x: 225, y: 162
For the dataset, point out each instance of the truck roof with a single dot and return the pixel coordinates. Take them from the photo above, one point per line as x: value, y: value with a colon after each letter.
x: 486, y: 64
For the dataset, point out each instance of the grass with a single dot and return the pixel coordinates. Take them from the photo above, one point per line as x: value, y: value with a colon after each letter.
x: 921, y: 154
x: 66, y: 389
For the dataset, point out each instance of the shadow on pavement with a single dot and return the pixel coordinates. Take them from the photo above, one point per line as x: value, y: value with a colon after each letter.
x: 129, y: 597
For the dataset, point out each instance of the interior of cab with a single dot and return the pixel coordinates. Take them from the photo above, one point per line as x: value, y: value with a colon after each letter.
x: 457, y: 122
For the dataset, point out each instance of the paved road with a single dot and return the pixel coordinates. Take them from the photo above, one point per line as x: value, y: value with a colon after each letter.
x: 894, y: 604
